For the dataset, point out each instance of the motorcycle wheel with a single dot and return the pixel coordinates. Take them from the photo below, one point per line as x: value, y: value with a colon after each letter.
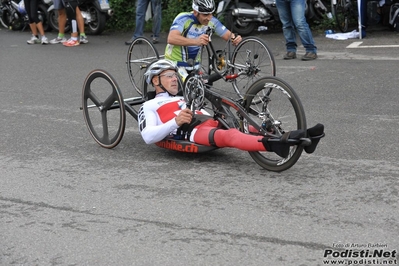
x: 17, y: 22
x: 237, y: 25
x: 5, y: 19
x: 52, y: 19
x: 97, y: 24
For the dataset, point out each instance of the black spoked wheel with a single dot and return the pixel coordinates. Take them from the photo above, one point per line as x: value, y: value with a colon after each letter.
x: 103, y: 108
x: 341, y: 11
x: 252, y: 59
x: 140, y: 55
x: 278, y: 109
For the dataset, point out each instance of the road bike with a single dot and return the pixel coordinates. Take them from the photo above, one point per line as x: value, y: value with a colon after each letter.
x: 250, y: 60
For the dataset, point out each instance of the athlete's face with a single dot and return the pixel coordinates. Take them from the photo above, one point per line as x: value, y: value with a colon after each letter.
x: 203, y: 18
x: 168, y: 79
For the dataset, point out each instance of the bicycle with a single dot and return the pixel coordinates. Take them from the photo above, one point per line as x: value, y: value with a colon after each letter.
x: 345, y: 12
x: 250, y: 60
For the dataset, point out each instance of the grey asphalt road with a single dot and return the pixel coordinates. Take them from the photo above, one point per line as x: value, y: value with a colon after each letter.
x: 64, y: 200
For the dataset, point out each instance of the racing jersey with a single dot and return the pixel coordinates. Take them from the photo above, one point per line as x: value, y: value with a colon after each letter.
x: 156, y: 118
x: 189, y: 27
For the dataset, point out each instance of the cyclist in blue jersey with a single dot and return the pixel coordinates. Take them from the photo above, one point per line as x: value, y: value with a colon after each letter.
x: 188, y: 33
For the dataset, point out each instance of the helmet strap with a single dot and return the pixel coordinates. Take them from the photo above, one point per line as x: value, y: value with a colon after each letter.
x: 162, y: 87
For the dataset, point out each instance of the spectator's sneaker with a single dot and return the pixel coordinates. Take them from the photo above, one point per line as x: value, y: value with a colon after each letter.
x: 33, y: 40
x: 71, y: 43
x: 289, y: 55
x: 309, y: 56
x: 58, y: 40
x: 83, y: 39
x: 155, y: 40
x: 44, y: 40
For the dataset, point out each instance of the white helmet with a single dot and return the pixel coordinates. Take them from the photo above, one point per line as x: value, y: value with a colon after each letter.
x: 157, y: 68
x: 204, y: 6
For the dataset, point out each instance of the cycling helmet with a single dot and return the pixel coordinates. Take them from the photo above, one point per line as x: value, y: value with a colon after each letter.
x: 157, y: 68
x: 204, y: 6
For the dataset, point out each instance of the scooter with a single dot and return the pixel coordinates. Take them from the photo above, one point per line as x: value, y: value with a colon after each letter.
x: 244, y: 17
x: 94, y: 12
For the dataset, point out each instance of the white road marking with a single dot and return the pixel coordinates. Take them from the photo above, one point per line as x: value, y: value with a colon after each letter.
x: 357, y: 45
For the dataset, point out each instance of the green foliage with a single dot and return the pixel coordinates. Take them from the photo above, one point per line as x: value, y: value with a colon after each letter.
x: 325, y: 24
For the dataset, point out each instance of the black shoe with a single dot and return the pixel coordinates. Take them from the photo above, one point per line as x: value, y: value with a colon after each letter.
x: 130, y: 42
x: 281, y: 146
x: 309, y: 56
x: 155, y: 40
x: 315, y: 134
x: 289, y: 55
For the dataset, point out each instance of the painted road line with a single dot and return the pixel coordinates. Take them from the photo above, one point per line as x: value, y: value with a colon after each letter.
x: 357, y: 45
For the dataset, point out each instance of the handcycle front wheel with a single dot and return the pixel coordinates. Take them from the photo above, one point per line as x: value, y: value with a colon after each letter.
x: 140, y: 55
x: 253, y: 59
x: 277, y: 108
x: 103, y: 108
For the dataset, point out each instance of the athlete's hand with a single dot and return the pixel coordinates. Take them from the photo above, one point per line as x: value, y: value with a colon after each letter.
x: 184, y: 116
x: 236, y: 40
x: 203, y: 39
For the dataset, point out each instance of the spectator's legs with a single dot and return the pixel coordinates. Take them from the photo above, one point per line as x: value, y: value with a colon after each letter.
x: 304, y: 32
x: 284, y: 11
x: 140, y: 17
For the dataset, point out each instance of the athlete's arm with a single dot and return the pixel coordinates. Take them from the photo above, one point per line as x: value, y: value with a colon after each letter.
x: 235, y: 39
x: 175, y: 38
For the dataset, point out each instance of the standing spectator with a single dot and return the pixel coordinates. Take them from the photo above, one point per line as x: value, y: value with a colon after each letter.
x: 62, y: 19
x: 292, y: 16
x: 31, y: 7
x: 141, y: 9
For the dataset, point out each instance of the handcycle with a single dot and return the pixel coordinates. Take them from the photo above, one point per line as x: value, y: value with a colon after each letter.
x: 250, y: 60
x: 269, y: 108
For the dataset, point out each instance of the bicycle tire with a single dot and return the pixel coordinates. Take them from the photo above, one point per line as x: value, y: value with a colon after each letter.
x: 259, y: 63
x: 274, y: 104
x: 140, y: 55
x: 341, y: 15
x: 103, y: 108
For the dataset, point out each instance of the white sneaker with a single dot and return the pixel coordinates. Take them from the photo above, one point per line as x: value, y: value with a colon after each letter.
x: 33, y: 40
x: 83, y: 39
x: 58, y: 40
x: 44, y: 40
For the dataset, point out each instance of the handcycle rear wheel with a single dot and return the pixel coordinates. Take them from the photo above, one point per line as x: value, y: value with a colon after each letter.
x: 253, y: 57
x: 103, y: 108
x: 140, y: 55
x: 277, y: 108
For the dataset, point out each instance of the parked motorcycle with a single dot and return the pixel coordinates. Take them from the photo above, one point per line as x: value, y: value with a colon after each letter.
x: 248, y: 15
x: 13, y: 15
x: 94, y: 12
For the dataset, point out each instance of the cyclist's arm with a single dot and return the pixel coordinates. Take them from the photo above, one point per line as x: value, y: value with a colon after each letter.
x: 235, y: 39
x: 175, y: 38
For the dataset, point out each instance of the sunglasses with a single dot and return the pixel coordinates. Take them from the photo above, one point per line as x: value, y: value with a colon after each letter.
x: 170, y: 75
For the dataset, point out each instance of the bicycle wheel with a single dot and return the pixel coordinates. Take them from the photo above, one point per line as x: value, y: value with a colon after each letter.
x: 140, y: 54
x: 251, y: 60
x: 277, y: 108
x: 342, y: 15
x: 103, y: 108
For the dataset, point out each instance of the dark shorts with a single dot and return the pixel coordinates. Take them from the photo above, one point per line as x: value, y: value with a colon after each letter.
x: 58, y: 4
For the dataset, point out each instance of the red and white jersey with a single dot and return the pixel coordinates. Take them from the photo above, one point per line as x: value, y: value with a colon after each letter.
x: 156, y: 117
